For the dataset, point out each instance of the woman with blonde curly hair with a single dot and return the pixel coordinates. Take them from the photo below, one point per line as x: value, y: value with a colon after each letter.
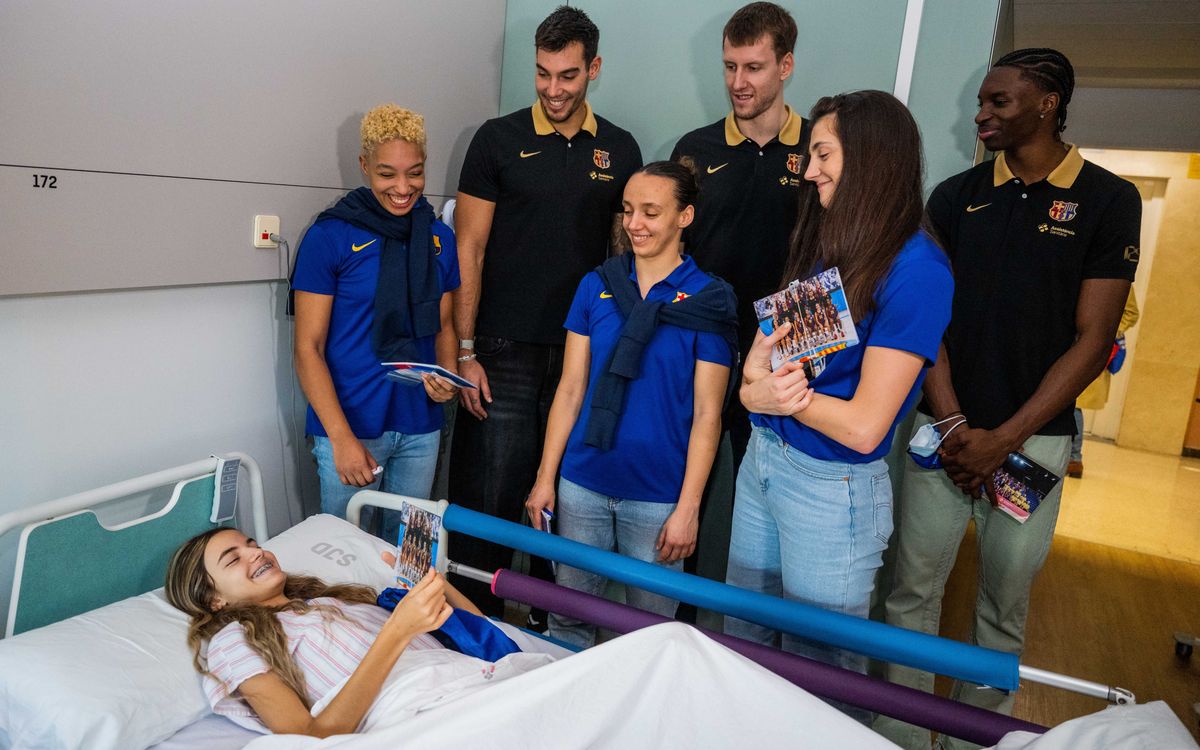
x: 372, y: 284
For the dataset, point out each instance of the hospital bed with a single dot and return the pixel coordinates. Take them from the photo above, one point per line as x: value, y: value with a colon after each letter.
x: 94, y: 657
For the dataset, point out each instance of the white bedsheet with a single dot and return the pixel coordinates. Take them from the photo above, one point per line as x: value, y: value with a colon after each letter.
x: 1150, y: 726
x: 665, y: 686
x: 210, y: 733
x: 215, y: 732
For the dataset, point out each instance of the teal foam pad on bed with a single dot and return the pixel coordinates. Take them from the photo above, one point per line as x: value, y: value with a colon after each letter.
x: 73, y: 564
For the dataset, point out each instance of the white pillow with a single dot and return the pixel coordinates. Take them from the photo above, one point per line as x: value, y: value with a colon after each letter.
x: 121, y: 677
x: 115, y: 678
x: 334, y: 550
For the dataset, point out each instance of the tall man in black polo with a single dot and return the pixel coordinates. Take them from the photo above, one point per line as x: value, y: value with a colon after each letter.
x: 1044, y: 247
x: 748, y: 164
x: 537, y: 198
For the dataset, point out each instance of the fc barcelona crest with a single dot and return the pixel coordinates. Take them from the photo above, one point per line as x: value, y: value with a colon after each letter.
x: 1063, y: 211
x: 793, y: 163
x: 600, y: 158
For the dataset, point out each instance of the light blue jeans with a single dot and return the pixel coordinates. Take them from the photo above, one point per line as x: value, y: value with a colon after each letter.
x: 1077, y: 441
x: 630, y: 527
x: 808, y: 530
x: 408, y: 463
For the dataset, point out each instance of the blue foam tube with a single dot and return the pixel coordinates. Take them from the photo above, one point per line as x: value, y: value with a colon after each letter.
x: 875, y: 639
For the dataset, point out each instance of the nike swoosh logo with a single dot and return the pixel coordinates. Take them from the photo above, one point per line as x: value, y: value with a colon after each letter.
x: 973, y: 209
x: 355, y: 248
x: 712, y: 169
x: 531, y: 153
x: 605, y: 295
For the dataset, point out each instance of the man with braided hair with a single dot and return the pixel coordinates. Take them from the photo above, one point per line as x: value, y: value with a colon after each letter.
x: 1044, y: 247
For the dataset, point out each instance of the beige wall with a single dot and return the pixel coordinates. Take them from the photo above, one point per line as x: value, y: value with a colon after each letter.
x: 1164, y: 367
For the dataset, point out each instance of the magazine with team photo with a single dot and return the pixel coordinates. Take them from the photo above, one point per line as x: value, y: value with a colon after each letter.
x: 820, y: 317
x: 417, y: 543
x: 1020, y: 485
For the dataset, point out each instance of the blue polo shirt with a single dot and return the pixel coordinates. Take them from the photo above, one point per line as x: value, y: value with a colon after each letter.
x: 649, y: 451
x: 342, y: 260
x: 912, y: 310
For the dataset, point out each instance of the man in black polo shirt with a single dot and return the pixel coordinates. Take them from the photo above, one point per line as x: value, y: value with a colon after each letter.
x: 1044, y: 247
x: 536, y: 203
x: 748, y: 164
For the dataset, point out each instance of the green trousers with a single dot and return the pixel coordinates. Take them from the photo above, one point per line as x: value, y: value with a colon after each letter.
x: 931, y: 519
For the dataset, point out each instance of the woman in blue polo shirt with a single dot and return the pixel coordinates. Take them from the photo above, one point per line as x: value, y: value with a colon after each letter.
x: 813, y: 507
x: 372, y: 284
x: 637, y: 415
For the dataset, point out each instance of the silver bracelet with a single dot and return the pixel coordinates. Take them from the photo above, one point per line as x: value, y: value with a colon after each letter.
x: 467, y: 357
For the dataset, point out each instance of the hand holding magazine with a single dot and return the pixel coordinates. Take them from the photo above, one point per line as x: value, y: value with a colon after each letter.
x: 411, y: 372
x: 820, y: 317
x: 1020, y: 485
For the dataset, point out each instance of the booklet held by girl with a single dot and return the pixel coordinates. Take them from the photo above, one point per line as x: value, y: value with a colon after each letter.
x: 417, y: 545
x: 1020, y: 485
x: 820, y: 317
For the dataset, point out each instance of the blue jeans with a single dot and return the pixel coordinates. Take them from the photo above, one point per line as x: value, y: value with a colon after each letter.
x: 630, y: 527
x: 1077, y: 441
x: 808, y: 530
x: 493, y: 462
x: 408, y: 462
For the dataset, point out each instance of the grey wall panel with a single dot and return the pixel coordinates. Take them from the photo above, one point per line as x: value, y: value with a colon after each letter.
x: 264, y: 92
x: 1153, y: 119
x: 105, y: 231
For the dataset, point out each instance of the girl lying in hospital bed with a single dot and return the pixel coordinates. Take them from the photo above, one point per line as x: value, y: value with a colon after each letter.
x: 295, y: 656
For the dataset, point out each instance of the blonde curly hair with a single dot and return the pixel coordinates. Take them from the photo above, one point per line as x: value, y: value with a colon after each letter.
x: 391, y: 122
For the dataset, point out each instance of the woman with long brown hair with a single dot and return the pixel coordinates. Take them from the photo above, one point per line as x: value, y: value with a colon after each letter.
x: 292, y: 655
x: 262, y: 638
x: 813, y: 509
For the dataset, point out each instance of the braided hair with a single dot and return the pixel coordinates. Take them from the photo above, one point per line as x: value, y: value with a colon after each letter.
x: 1049, y: 70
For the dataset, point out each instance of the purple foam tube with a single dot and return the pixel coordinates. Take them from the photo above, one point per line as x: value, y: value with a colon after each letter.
x: 913, y: 706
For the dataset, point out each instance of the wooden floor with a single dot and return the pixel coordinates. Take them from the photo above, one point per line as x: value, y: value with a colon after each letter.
x: 1099, y: 613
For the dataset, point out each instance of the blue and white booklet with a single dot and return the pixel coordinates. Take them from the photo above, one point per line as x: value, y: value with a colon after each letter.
x: 411, y: 372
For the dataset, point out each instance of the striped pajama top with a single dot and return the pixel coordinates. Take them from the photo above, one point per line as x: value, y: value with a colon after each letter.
x: 327, y: 648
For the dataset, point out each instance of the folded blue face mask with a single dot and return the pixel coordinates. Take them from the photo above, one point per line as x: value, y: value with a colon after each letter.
x: 923, y: 448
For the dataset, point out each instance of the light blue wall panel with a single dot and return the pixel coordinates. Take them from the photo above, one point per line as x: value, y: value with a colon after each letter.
x: 953, y: 55
x: 662, y: 69
x: 662, y: 73
x: 521, y: 19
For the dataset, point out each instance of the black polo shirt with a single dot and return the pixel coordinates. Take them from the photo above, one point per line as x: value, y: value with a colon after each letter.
x: 1020, y: 253
x: 749, y: 197
x: 555, y: 199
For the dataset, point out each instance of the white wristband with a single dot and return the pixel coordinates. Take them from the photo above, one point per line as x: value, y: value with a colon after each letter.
x: 466, y: 344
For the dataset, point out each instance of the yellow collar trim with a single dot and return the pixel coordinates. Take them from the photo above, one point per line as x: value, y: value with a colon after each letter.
x: 543, y: 126
x: 1063, y: 175
x: 789, y: 134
